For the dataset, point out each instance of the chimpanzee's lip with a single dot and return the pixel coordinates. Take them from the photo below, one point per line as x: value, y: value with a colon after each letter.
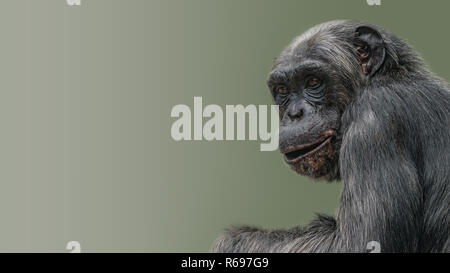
x: 294, y: 153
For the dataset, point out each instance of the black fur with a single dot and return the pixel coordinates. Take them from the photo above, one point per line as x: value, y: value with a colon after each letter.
x: 391, y: 147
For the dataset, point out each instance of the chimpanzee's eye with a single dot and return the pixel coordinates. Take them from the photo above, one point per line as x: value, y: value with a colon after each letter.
x: 281, y: 89
x: 312, y: 82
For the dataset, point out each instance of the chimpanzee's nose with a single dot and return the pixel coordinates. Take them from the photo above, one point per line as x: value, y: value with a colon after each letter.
x: 295, y: 112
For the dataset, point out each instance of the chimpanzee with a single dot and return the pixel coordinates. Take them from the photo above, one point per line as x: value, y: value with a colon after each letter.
x: 357, y: 104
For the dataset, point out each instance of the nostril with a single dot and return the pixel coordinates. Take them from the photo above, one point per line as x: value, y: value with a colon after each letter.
x: 295, y: 113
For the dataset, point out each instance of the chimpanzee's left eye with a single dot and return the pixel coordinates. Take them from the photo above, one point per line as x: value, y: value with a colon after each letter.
x: 312, y: 82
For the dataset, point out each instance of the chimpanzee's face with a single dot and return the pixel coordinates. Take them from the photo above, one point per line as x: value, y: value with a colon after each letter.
x: 303, y: 88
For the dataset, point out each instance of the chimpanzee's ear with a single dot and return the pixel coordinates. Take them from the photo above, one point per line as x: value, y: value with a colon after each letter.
x: 370, y: 48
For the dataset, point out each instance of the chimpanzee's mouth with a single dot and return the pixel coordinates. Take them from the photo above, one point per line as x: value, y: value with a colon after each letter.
x: 295, y: 153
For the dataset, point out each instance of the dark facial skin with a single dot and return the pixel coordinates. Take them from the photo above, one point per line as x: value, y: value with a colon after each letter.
x: 305, y: 91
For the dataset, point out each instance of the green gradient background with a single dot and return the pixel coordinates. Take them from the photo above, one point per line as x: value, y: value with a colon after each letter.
x: 86, y: 93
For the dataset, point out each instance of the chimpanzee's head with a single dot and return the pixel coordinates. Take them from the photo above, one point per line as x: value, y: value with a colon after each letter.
x: 313, y: 81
